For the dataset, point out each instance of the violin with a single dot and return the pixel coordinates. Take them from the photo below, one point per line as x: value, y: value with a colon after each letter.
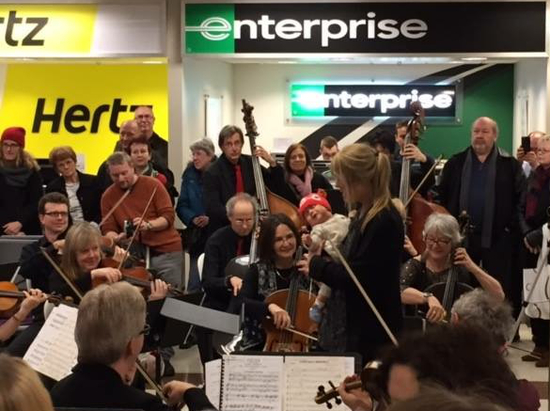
x: 369, y: 382
x: 297, y: 304
x: 10, y: 297
x: 417, y: 208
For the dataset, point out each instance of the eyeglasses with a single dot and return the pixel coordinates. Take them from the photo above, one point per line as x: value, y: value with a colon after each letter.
x: 435, y: 241
x: 10, y: 146
x: 146, y: 329
x: 543, y: 151
x: 57, y: 214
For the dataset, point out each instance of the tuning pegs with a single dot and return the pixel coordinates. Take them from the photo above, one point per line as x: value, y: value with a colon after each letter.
x: 338, y: 401
x: 329, y: 405
x: 321, y: 390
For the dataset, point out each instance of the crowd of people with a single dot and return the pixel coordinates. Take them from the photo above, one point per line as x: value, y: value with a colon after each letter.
x: 127, y: 212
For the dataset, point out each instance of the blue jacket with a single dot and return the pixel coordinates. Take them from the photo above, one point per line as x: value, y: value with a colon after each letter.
x: 190, y: 204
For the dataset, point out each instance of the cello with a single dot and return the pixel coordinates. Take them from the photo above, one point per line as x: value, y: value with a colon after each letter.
x: 417, y: 209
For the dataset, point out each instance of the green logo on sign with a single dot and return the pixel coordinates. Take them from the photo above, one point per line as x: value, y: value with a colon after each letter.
x: 307, y: 100
x: 209, y: 28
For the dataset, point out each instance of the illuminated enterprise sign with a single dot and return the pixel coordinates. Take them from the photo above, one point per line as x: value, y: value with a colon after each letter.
x: 323, y: 100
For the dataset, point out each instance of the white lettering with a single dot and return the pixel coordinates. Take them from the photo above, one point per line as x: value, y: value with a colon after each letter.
x: 264, y: 23
x: 327, y: 34
x: 426, y: 100
x: 252, y: 27
x: 414, y: 29
x: 308, y: 24
x: 371, y: 26
x: 344, y: 98
x: 443, y: 101
x: 359, y: 100
x: 335, y: 100
x: 388, y: 101
x: 387, y: 29
x: 288, y: 29
x: 353, y: 26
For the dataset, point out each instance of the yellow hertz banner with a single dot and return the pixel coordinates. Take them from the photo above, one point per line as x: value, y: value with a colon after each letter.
x: 80, y: 105
x: 44, y: 30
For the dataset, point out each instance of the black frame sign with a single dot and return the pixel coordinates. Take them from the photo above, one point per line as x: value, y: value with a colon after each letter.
x: 361, y: 100
x: 470, y: 27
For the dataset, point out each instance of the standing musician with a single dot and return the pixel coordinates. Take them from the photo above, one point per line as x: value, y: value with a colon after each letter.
x: 156, y: 229
x: 274, y: 271
x: 232, y: 173
x: 373, y: 249
x: 109, y: 334
x: 488, y: 184
x: 442, y: 237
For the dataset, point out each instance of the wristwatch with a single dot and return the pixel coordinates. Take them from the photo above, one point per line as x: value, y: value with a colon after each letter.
x: 427, y: 296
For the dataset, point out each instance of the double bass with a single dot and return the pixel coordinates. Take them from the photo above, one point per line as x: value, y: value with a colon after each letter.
x: 417, y: 209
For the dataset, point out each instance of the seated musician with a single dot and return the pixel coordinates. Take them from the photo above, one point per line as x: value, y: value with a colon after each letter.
x: 53, y: 213
x: 33, y: 298
x: 109, y: 334
x: 461, y: 359
x: 442, y: 237
x: 274, y: 271
x: 20, y: 387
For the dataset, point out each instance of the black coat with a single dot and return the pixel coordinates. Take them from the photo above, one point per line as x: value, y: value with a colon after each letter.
x: 220, y: 248
x: 509, y: 191
x: 88, y: 193
x: 99, y: 386
x: 219, y: 185
x: 375, y: 257
x: 21, y: 203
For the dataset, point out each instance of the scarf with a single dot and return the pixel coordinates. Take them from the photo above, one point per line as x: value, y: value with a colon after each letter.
x: 303, y: 187
x: 488, y: 212
x: 16, y: 176
x: 541, y: 178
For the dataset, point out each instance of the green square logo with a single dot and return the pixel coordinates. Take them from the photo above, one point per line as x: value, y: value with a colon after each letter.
x: 307, y: 100
x: 209, y: 28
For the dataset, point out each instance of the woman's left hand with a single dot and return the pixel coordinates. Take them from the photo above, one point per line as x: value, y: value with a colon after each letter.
x: 159, y: 289
x: 463, y: 259
x: 12, y: 228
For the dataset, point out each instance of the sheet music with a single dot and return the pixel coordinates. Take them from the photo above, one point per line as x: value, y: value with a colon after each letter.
x: 212, y: 381
x: 53, y: 351
x: 304, y: 374
x: 252, y: 383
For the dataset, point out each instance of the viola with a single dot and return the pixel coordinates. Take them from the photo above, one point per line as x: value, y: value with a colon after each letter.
x: 417, y: 208
x: 297, y: 304
x: 10, y: 297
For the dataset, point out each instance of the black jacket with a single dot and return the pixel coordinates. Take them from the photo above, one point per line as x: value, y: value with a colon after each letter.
x: 375, y: 257
x: 99, y: 386
x: 220, y: 248
x: 219, y: 185
x: 509, y: 191
x: 159, y: 148
x: 418, y: 172
x: 88, y: 193
x: 21, y: 203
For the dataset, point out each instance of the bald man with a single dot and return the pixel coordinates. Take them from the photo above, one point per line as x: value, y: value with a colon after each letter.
x: 488, y: 184
x: 529, y: 159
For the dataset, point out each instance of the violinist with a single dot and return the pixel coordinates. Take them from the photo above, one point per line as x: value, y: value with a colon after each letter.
x: 373, y: 250
x: 442, y: 238
x: 156, y: 230
x: 488, y: 183
x: 274, y: 271
x: 109, y: 334
x: 33, y: 298
x: 53, y: 213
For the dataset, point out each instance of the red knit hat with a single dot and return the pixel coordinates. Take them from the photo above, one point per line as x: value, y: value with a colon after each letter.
x: 16, y: 134
x: 313, y: 199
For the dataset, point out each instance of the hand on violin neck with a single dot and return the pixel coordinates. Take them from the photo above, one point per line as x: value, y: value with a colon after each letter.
x: 119, y: 254
x: 260, y: 152
x: 280, y: 317
x: 303, y: 265
x: 33, y: 298
x: 462, y: 258
x: 356, y: 399
x: 236, y: 284
x: 412, y: 152
x: 159, y: 290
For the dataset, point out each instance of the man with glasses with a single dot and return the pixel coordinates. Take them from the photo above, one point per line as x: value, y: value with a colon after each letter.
x: 223, y: 246
x: 232, y: 173
x: 145, y: 119
x: 488, y: 184
x: 53, y: 213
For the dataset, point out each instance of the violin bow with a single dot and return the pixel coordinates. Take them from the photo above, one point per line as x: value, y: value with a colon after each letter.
x: 112, y: 210
x: 80, y: 295
x: 430, y: 171
x: 364, y: 294
x: 126, y: 252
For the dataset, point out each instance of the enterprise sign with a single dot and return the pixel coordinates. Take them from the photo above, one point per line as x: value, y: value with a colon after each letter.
x: 318, y: 100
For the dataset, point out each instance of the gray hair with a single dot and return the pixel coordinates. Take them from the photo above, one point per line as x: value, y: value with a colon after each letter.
x: 108, y: 318
x: 237, y: 198
x: 119, y: 158
x: 486, y: 311
x: 204, y: 144
x: 444, y: 224
x: 494, y: 124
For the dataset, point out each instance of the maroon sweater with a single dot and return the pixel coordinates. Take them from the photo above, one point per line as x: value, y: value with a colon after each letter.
x: 165, y: 241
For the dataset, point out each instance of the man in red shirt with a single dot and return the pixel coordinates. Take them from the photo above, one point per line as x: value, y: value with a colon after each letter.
x: 156, y: 229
